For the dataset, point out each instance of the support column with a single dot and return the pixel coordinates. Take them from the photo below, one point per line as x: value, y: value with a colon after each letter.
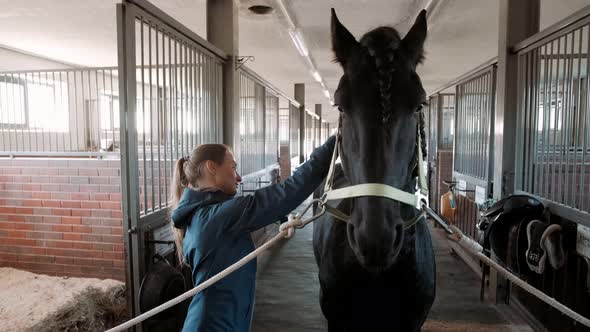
x: 222, y: 31
x: 518, y: 19
x: 300, y: 98
x: 318, y: 112
x: 318, y: 136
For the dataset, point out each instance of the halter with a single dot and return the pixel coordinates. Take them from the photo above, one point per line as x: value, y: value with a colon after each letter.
x: 419, y: 199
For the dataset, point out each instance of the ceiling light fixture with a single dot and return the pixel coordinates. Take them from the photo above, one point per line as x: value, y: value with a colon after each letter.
x: 299, y: 42
x: 297, y: 37
x: 432, y: 8
x: 286, y: 14
x: 317, y: 76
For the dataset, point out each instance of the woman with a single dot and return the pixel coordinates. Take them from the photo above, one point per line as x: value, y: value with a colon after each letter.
x: 213, y: 228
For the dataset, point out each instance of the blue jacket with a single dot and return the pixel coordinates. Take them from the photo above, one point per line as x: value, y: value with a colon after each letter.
x: 217, y: 235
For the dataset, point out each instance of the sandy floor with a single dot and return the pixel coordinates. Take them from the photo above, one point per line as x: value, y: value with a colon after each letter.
x: 27, y: 297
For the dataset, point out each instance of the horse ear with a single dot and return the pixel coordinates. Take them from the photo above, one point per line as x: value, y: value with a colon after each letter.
x: 413, y: 43
x: 343, y: 42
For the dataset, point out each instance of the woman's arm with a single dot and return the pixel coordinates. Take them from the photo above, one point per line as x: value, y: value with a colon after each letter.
x: 269, y: 204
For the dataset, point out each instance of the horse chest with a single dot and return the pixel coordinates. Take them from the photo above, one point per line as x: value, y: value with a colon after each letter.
x: 339, y: 267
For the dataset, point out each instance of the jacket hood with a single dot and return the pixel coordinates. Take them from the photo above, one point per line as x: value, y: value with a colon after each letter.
x: 192, y: 200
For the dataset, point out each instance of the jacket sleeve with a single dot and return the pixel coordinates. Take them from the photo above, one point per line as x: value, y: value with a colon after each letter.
x: 272, y: 203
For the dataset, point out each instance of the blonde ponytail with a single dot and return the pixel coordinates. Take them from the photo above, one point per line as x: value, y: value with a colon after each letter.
x: 187, y: 170
x: 177, y: 186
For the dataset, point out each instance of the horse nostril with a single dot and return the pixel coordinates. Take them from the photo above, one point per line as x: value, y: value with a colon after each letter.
x: 350, y: 233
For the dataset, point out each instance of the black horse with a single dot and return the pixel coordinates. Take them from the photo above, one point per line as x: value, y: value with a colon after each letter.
x: 374, y: 274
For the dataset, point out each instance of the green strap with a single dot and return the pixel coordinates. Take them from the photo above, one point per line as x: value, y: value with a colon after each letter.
x: 337, y: 213
x: 346, y: 218
x: 330, y: 177
x: 412, y: 222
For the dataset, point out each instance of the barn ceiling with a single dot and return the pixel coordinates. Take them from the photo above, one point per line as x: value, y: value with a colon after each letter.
x: 462, y: 34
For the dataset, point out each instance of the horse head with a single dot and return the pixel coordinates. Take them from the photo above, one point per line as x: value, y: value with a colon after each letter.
x: 379, y: 97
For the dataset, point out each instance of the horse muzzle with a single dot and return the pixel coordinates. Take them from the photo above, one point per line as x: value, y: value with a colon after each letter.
x: 375, y: 233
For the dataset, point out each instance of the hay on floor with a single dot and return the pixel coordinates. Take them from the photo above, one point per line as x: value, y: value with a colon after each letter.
x: 91, y: 310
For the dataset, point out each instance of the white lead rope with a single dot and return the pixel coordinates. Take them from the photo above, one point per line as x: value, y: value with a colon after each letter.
x: 286, y: 230
x: 476, y: 249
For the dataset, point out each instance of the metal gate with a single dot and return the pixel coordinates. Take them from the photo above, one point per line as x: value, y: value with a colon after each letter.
x: 553, y: 153
x: 432, y: 132
x: 294, y: 125
x: 473, y: 150
x: 170, y: 98
x: 59, y: 112
x: 252, y: 100
x: 259, y: 131
x: 271, y: 135
x: 441, y: 130
x: 473, y: 137
x: 553, y: 156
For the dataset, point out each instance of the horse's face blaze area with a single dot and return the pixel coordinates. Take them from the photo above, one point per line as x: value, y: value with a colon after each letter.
x: 378, y: 97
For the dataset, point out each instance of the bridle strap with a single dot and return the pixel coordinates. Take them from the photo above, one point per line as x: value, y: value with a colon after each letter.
x: 330, y: 177
x: 371, y: 189
x: 418, y: 199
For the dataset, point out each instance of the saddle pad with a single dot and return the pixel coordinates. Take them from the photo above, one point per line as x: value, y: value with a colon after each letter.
x: 551, y: 242
x: 536, y: 254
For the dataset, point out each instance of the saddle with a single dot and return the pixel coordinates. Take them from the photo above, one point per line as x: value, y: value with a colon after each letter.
x: 516, y: 232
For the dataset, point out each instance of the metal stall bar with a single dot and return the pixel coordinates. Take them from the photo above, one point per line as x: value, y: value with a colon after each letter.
x: 584, y: 123
x: 568, y: 112
x: 271, y: 141
x: 556, y: 167
x: 433, y: 115
x: 473, y: 137
x: 62, y: 112
x: 553, y: 95
x: 259, y: 127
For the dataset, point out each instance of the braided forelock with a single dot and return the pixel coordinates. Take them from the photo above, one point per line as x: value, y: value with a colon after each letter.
x: 384, y: 62
x: 421, y: 132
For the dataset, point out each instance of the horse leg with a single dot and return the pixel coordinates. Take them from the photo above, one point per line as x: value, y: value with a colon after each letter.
x: 333, y: 324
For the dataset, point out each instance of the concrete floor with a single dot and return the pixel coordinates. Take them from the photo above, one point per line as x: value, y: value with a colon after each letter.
x: 287, y: 293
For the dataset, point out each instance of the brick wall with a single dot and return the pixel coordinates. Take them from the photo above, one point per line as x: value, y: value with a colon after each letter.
x: 62, y: 217
x: 284, y: 162
x: 466, y: 215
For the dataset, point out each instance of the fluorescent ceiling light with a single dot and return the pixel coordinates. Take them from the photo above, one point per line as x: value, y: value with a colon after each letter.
x: 286, y: 14
x: 316, y: 76
x: 327, y: 94
x: 298, y: 41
